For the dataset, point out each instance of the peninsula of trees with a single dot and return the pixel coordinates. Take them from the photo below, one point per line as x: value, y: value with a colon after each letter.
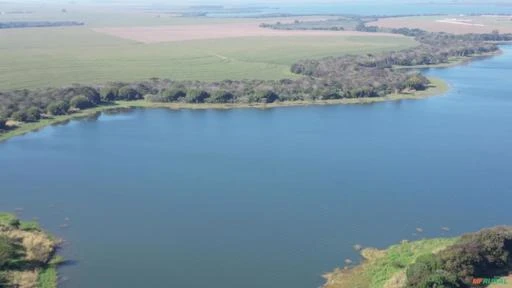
x: 345, y: 77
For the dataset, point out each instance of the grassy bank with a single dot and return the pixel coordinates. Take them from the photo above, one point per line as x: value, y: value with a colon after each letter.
x: 384, y: 268
x: 476, y: 259
x: 437, y: 87
x: 27, y: 254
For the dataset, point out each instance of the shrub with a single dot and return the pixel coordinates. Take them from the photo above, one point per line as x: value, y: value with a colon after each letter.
x: 80, y: 102
x: 58, y: 108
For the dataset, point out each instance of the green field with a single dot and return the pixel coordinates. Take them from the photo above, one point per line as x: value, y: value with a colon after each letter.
x: 41, y: 57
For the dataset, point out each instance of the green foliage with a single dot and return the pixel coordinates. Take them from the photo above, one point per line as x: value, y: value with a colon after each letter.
x: 267, y: 96
x: 7, y: 251
x: 80, y: 102
x: 9, y: 220
x: 20, y: 116
x: 33, y: 114
x: 3, y: 280
x: 196, y: 96
x: 91, y: 94
x: 172, y: 95
x: 416, y: 82
x: 221, y: 96
x: 402, y: 255
x: 29, y: 226
x: 486, y: 253
x: 109, y: 93
x: 128, y: 93
x: 48, y: 277
x: 58, y: 108
x: 427, y: 272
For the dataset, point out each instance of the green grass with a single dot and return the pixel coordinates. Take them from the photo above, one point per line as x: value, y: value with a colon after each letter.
x: 30, y: 226
x: 62, y: 56
x: 7, y: 219
x: 48, y: 277
x: 398, y: 257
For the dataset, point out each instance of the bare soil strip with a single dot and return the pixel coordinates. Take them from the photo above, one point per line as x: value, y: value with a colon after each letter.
x: 159, y: 34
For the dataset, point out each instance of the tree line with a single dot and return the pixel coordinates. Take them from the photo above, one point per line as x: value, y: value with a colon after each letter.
x: 351, y: 76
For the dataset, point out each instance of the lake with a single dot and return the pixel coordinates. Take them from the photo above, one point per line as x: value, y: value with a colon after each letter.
x: 265, y: 198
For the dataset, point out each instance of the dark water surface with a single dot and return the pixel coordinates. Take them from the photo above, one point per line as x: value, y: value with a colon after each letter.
x: 265, y: 198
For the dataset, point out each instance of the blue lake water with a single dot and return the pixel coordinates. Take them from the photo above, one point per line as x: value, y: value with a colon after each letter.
x: 265, y: 198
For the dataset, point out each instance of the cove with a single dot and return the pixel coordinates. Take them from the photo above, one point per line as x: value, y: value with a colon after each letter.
x: 265, y: 198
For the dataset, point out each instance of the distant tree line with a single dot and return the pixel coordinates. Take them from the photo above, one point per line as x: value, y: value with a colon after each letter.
x: 485, y: 254
x: 32, y: 24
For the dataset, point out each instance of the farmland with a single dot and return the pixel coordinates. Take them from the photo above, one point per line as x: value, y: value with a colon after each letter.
x: 456, y: 24
x: 30, y: 58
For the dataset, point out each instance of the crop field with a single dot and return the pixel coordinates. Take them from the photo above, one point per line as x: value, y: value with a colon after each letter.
x: 453, y: 24
x: 31, y: 58
x: 131, y: 45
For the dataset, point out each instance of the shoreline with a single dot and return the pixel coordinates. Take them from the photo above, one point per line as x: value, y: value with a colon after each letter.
x: 454, y: 61
x: 437, y: 87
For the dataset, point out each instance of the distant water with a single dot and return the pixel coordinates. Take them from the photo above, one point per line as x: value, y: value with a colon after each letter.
x: 372, y: 8
x: 265, y: 198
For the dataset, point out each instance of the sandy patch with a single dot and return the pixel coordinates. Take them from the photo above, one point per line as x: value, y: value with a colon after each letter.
x: 459, y: 22
x: 158, y: 34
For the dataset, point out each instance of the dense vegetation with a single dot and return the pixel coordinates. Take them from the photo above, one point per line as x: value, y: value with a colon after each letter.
x: 24, y: 251
x: 485, y: 254
x: 31, y: 24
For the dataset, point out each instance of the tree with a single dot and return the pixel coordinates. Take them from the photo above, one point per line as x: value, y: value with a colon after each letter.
x: 7, y: 250
x: 91, y: 94
x: 80, y: 102
x: 268, y: 96
x: 221, y: 96
x: 109, y: 93
x: 128, y: 93
x: 58, y: 108
x: 20, y: 116
x: 196, y: 96
x: 3, y: 124
x: 172, y: 95
x: 33, y: 114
